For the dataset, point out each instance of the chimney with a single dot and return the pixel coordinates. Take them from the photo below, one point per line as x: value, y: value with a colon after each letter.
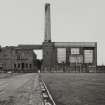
x: 47, y: 23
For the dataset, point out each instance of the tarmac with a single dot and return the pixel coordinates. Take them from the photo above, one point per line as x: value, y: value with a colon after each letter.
x: 23, y: 89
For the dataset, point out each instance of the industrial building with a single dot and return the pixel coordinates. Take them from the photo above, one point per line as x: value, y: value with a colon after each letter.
x: 57, y: 56
x: 17, y: 60
x: 67, y: 56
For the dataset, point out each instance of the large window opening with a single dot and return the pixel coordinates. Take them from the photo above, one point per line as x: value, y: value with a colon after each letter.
x: 61, y: 55
x: 88, y: 56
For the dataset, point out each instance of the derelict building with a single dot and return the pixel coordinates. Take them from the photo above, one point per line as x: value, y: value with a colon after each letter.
x: 57, y: 56
x: 67, y: 56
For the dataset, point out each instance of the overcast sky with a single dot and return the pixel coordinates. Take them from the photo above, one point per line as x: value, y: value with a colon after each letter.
x: 22, y: 22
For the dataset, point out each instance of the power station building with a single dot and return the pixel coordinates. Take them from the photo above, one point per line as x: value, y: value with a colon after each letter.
x: 67, y: 56
x: 62, y: 56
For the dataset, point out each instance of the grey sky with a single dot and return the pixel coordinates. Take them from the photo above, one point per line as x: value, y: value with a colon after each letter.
x: 22, y: 22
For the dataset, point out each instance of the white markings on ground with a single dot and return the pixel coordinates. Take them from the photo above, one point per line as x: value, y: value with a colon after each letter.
x: 46, y: 96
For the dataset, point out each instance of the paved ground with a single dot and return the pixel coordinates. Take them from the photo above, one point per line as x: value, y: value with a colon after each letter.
x: 76, y: 88
x: 20, y: 90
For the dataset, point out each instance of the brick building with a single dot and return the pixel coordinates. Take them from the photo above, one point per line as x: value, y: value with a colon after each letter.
x: 67, y: 56
x: 17, y: 59
x: 57, y: 56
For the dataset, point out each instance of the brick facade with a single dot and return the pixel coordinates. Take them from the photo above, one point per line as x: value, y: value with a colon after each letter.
x: 17, y: 59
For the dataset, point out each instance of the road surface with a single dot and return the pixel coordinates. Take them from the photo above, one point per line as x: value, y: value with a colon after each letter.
x: 21, y: 89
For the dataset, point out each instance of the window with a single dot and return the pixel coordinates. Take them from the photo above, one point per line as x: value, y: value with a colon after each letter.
x: 30, y: 65
x: 18, y: 65
x: 75, y: 51
x: 14, y: 65
x: 61, y: 55
x: 26, y: 65
x: 76, y: 59
x: 22, y: 65
x: 88, y: 56
x: 18, y: 57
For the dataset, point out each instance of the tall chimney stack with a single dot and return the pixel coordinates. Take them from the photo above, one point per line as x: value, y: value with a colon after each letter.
x: 47, y: 23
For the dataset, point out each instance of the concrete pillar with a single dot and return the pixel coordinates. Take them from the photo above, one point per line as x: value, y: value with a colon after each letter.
x: 68, y: 53
x: 95, y: 53
x: 95, y: 56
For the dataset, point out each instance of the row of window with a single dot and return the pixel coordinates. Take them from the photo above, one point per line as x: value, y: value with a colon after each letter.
x: 74, y: 57
x: 23, y: 65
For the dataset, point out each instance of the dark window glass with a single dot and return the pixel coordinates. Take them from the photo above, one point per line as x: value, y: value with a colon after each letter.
x: 18, y: 65
x: 14, y: 65
x: 30, y: 65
